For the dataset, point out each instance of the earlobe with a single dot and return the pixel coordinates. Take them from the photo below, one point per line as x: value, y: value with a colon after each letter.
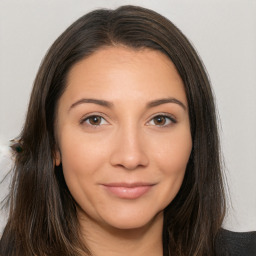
x: 57, y: 158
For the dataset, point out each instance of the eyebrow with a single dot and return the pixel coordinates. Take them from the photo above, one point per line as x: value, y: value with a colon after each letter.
x: 103, y: 103
x: 158, y: 102
x: 108, y: 104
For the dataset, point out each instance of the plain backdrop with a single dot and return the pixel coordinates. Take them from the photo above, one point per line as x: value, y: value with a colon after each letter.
x: 222, y: 31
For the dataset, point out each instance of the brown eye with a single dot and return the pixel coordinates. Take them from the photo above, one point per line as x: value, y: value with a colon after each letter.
x: 159, y: 120
x: 162, y: 120
x: 95, y: 120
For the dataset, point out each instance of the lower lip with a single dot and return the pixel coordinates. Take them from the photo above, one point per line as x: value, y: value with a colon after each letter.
x: 128, y: 192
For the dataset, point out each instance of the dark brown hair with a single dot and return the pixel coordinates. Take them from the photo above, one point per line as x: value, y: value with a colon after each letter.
x: 42, y: 218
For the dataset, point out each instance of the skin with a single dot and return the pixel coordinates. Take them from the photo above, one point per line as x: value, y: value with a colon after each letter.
x: 127, y: 137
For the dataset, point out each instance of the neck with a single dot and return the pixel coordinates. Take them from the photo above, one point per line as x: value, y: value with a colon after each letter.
x: 108, y: 241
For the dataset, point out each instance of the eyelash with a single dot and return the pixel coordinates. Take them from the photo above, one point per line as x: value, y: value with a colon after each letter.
x: 167, y: 118
x: 88, y: 118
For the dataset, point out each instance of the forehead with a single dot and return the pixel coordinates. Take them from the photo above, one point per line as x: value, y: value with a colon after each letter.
x: 111, y: 71
x: 124, y: 56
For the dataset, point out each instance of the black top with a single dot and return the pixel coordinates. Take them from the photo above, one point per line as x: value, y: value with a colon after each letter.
x: 231, y: 243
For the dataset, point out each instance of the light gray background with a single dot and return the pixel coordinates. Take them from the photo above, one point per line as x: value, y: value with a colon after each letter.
x: 223, y: 32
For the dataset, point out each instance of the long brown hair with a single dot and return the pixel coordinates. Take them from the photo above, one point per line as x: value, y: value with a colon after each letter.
x: 42, y: 217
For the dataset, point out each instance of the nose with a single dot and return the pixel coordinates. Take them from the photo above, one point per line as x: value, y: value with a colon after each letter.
x: 129, y: 150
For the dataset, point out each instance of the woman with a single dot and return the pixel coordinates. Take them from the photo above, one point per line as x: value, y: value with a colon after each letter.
x: 119, y: 154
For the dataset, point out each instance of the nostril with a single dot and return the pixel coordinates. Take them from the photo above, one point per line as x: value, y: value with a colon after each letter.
x: 129, y: 160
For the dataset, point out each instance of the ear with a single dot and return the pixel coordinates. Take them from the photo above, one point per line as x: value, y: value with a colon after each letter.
x: 57, y: 157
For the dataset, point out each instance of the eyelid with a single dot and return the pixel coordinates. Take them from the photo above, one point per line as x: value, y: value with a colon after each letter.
x: 169, y: 116
x: 92, y: 114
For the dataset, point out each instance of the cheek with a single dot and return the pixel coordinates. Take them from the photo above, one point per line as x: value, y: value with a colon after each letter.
x: 80, y: 153
x: 80, y: 158
x: 174, y: 151
x: 80, y: 163
x: 172, y: 158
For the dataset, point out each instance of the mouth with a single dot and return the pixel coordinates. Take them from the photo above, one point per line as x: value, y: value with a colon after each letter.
x: 128, y: 190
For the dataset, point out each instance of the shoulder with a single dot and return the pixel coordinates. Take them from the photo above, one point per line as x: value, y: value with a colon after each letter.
x: 236, y: 243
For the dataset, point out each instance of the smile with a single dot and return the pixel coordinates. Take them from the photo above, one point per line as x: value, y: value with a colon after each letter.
x: 128, y: 191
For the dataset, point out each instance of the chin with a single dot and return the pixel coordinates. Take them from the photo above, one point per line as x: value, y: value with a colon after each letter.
x: 132, y: 220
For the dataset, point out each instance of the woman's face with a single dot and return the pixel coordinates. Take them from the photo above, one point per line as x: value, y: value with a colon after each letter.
x: 123, y: 135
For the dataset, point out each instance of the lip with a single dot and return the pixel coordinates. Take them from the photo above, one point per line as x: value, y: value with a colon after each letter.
x: 128, y: 190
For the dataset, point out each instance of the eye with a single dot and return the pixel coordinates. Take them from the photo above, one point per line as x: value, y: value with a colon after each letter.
x: 162, y: 120
x: 94, y: 120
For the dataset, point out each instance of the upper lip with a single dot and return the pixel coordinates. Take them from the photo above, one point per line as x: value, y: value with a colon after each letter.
x: 128, y: 185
